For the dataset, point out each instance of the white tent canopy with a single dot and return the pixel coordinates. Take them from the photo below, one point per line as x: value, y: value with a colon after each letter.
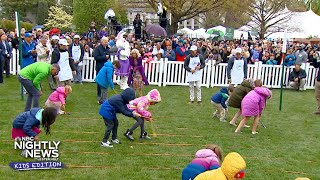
x: 299, y: 25
x: 220, y: 28
x: 237, y: 33
x: 200, y: 33
x: 185, y: 31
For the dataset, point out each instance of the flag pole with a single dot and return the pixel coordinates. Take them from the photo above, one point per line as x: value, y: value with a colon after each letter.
x: 284, y: 51
x: 18, y: 27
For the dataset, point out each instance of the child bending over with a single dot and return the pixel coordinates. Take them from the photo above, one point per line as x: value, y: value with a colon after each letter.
x: 219, y: 100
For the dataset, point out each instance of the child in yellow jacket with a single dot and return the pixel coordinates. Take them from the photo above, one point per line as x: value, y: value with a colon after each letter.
x: 232, y: 168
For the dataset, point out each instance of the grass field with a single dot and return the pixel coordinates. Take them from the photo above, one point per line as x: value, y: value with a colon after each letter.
x: 287, y: 149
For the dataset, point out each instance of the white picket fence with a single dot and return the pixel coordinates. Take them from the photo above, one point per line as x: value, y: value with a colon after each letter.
x: 163, y: 73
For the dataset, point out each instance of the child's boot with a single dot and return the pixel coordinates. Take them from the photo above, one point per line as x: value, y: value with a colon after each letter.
x: 128, y: 134
x: 144, y: 135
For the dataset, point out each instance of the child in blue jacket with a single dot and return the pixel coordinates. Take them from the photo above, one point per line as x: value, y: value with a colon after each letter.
x: 110, y: 108
x: 272, y: 61
x: 104, y: 79
x: 290, y: 60
x: 27, y: 124
x: 218, y: 100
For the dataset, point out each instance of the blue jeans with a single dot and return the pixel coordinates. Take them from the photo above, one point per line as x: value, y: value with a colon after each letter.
x: 78, y: 76
x: 33, y: 93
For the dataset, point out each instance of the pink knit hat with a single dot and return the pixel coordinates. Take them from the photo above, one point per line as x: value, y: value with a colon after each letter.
x: 154, y: 96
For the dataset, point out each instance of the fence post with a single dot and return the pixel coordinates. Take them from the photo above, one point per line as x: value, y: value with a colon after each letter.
x: 255, y: 72
x: 208, y: 66
x: 259, y: 69
x: 165, y: 70
x: 307, y: 67
x: 161, y: 73
x: 213, y: 68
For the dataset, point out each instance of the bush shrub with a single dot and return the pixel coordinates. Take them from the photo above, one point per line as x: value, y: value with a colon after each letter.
x: 10, y: 25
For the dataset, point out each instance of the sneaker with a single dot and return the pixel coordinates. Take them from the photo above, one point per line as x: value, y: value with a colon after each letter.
x: 144, y: 136
x: 246, y: 126
x: 190, y: 102
x: 199, y: 102
x: 223, y: 120
x: 100, y: 102
x: 233, y: 124
x: 128, y: 135
x: 115, y: 141
x: 254, y: 132
x: 106, y: 144
x: 61, y: 112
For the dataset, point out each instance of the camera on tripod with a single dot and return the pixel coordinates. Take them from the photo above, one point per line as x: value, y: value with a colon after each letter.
x: 112, y: 20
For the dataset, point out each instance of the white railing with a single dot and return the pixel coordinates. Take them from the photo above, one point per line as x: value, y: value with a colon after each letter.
x: 163, y: 73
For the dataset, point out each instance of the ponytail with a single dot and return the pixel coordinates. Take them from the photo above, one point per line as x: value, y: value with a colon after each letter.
x: 49, y: 116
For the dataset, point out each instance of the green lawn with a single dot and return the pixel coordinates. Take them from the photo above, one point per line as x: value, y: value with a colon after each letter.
x: 287, y: 149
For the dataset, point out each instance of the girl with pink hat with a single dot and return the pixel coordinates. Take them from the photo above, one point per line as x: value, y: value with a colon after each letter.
x: 140, y: 106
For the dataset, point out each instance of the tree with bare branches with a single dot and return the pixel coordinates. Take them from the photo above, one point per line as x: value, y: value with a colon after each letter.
x: 269, y: 15
x: 186, y: 9
x: 233, y: 13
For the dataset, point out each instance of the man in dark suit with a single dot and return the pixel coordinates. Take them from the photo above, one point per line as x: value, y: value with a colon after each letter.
x: 6, y: 55
x: 101, y: 55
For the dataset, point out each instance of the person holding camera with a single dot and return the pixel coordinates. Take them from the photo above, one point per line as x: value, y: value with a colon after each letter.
x: 43, y: 51
x: 29, y: 51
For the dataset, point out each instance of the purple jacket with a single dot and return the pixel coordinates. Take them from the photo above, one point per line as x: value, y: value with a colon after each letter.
x: 140, y: 68
x: 103, y: 34
x: 255, y: 101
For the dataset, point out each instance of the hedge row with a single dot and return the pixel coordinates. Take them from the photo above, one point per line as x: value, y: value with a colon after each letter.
x: 11, y: 25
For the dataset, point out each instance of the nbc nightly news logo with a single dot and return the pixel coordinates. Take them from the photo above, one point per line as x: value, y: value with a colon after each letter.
x: 45, y: 152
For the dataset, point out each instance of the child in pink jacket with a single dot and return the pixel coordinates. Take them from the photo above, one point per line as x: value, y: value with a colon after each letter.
x: 140, y: 107
x: 205, y: 159
x: 252, y: 105
x: 57, y: 99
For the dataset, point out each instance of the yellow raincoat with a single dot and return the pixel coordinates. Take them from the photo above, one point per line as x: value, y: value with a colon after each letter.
x: 231, y: 165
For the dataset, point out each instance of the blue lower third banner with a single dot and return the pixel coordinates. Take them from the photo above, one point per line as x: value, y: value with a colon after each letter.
x: 23, y: 166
